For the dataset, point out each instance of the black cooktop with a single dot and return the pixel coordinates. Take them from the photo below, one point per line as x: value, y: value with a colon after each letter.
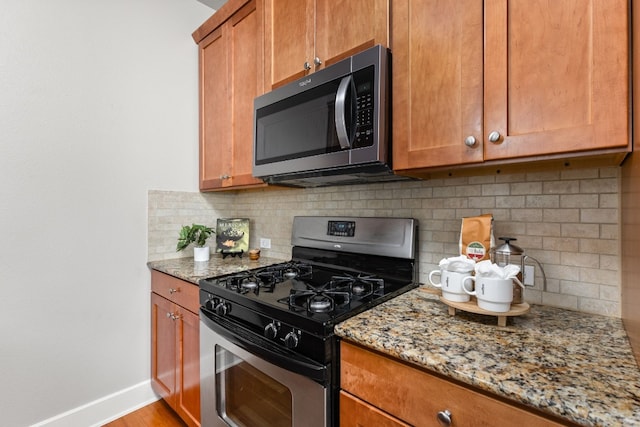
x: 313, y: 292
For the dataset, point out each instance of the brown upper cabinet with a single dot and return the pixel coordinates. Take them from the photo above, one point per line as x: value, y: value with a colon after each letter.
x: 230, y: 46
x: 304, y: 36
x: 505, y: 81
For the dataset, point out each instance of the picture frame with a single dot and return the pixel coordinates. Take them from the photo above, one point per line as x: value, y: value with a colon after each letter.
x: 232, y: 235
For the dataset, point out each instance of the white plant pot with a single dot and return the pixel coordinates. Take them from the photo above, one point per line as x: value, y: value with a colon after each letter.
x: 201, y: 254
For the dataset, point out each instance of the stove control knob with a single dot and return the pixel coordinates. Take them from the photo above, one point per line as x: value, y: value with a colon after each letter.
x: 222, y: 308
x: 210, y: 303
x: 271, y: 330
x: 291, y: 340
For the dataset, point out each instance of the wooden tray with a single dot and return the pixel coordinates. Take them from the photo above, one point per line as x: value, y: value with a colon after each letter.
x: 472, y: 307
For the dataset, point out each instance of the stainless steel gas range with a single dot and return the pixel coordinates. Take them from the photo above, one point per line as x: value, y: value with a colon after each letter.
x: 269, y: 356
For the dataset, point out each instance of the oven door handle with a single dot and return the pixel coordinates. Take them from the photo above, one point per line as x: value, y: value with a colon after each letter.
x: 264, y: 348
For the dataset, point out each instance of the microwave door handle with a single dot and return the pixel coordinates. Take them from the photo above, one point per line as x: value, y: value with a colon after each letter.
x: 341, y: 111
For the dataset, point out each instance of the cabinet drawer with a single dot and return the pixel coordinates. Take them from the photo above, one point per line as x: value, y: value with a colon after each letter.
x: 357, y: 413
x: 179, y: 291
x: 416, y: 396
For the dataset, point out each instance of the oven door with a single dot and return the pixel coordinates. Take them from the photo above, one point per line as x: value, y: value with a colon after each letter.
x: 243, y: 381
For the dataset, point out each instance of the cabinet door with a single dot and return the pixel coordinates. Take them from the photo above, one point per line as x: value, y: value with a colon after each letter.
x: 437, y: 82
x: 246, y: 81
x: 345, y: 27
x: 358, y: 413
x: 215, y: 114
x: 163, y: 348
x: 556, y: 76
x: 288, y: 40
x: 319, y: 33
x: 188, y: 367
x: 231, y: 66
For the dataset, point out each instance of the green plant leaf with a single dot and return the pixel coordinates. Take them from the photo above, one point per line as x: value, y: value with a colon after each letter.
x: 196, y: 233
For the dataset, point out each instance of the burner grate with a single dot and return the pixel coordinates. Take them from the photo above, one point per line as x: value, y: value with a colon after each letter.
x: 339, y: 291
x: 265, y: 279
x: 360, y: 286
x: 317, y: 301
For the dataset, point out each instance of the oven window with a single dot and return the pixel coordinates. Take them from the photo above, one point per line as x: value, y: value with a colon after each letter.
x: 247, y: 397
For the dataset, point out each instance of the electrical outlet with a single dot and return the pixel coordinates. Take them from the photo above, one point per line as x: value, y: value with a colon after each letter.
x: 265, y: 243
x: 529, y: 275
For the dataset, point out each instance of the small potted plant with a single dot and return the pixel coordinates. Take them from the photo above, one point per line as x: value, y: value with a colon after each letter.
x: 198, y: 235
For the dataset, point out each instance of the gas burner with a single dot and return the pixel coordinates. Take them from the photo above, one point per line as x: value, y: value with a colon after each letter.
x: 316, y: 300
x: 289, y: 274
x: 360, y: 286
x: 320, y: 304
x: 359, y: 289
x: 249, y: 285
x: 287, y: 271
x: 245, y: 281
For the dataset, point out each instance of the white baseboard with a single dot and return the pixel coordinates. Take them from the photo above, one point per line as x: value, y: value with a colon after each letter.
x: 105, y: 409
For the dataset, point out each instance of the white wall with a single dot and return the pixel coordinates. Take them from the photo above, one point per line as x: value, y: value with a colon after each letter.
x: 98, y: 104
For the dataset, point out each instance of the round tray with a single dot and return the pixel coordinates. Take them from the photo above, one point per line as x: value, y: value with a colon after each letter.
x: 472, y: 307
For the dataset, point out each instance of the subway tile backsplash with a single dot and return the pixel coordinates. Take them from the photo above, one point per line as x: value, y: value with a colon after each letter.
x: 568, y: 220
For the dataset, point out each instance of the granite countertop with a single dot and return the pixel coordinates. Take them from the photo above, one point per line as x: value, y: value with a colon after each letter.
x: 192, y: 271
x: 574, y: 365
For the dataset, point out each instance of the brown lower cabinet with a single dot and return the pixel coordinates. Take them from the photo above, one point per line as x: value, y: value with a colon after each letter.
x: 380, y: 391
x: 357, y: 412
x: 175, y: 345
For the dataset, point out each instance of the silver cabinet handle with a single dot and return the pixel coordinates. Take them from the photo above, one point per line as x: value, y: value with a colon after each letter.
x: 317, y: 61
x: 470, y: 141
x: 306, y: 65
x: 444, y: 418
x: 173, y: 291
x: 494, y: 136
x: 225, y: 176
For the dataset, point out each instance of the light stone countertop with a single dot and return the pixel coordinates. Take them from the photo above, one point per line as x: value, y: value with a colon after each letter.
x: 570, y: 364
x: 192, y: 271
x: 573, y: 365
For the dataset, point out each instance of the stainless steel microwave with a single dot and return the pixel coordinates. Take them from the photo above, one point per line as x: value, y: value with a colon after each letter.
x: 328, y: 128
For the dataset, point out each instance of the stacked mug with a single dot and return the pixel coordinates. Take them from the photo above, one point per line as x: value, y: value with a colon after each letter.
x: 492, y: 293
x: 451, y: 274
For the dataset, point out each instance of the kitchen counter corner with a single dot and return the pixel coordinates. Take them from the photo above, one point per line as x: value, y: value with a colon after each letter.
x: 573, y: 365
x: 193, y: 271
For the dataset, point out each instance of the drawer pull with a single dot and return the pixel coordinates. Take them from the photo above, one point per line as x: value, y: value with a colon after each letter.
x: 444, y: 418
x: 173, y: 291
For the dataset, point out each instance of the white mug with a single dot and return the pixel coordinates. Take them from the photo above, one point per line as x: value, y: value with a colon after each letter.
x: 451, y: 284
x: 492, y: 294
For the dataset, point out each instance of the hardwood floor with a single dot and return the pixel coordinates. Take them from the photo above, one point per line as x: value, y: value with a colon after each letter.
x: 157, y: 414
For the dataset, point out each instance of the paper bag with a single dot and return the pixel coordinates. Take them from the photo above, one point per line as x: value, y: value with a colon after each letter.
x: 476, y: 237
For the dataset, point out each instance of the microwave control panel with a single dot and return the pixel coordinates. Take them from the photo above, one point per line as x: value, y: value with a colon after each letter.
x: 365, y: 108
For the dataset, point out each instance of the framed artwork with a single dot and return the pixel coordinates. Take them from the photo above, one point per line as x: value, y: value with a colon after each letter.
x: 232, y: 235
